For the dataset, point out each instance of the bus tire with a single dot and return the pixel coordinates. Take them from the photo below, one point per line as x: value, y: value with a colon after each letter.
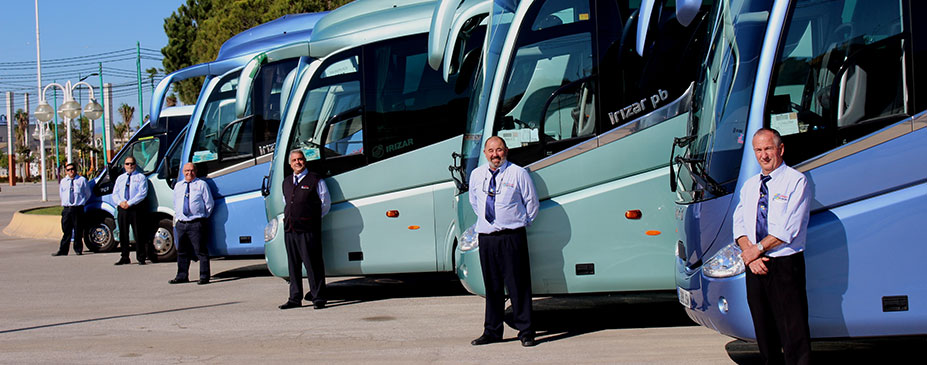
x: 99, y: 235
x: 163, y: 240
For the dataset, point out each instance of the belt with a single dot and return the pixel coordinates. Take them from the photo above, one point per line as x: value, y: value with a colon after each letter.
x: 505, y: 232
x: 73, y: 206
x: 193, y: 220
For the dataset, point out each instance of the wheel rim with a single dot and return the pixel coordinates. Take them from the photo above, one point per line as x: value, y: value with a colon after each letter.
x: 101, y: 235
x: 163, y: 242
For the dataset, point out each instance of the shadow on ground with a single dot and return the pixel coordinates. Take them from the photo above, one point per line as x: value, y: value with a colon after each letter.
x: 558, y: 318
x: 373, y: 288
x: 866, y: 351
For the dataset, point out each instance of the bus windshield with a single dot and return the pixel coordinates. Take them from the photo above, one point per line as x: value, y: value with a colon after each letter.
x: 719, y: 113
x: 503, y: 12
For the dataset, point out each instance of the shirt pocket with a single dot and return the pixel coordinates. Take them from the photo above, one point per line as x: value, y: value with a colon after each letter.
x: 508, y: 194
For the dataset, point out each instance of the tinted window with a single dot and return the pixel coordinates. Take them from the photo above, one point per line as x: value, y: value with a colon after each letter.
x: 409, y: 105
x: 840, y: 75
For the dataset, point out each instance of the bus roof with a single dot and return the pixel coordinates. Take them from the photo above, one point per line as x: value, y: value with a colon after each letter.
x: 366, y: 21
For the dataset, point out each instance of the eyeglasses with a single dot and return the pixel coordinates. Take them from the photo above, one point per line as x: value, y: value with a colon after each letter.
x: 130, y: 163
x: 69, y: 169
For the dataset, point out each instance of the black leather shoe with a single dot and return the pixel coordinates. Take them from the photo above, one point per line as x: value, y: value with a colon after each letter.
x: 528, y: 342
x: 122, y: 262
x: 141, y: 262
x: 79, y: 253
x: 178, y: 281
x: 289, y: 305
x: 153, y: 259
x: 484, y: 340
x: 202, y: 282
x: 59, y: 254
x: 319, y: 305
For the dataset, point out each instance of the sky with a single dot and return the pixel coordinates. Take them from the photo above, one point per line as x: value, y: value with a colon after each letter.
x: 81, y: 29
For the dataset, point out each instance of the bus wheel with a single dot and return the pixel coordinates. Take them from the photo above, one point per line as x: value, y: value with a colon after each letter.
x: 99, y: 235
x: 164, y: 240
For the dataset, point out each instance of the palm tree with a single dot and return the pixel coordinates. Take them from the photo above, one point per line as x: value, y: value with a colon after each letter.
x: 123, y: 130
x: 22, y: 135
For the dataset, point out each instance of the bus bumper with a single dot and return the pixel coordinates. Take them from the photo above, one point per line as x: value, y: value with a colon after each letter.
x: 716, y: 303
x: 469, y: 270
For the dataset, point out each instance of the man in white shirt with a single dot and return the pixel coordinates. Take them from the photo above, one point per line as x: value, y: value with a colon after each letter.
x: 770, y: 226
x: 192, y: 206
x: 503, y: 197
x: 74, y: 191
x: 129, y: 192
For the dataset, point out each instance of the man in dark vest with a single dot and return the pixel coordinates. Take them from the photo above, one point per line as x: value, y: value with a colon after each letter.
x: 307, y: 201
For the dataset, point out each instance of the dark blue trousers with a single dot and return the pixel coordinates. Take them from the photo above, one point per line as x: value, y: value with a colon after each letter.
x: 72, y: 220
x: 505, y: 265
x: 191, y: 246
x: 133, y: 217
x: 779, y: 306
x: 305, y: 248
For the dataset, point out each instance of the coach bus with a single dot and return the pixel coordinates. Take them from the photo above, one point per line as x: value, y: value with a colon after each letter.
x: 585, y: 94
x: 170, y: 123
x: 837, y: 79
x: 377, y: 122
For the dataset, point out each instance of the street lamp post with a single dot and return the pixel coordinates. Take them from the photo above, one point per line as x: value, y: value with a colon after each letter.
x: 69, y: 110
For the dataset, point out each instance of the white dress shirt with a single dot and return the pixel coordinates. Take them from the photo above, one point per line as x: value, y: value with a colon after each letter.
x: 516, y: 200
x: 788, y: 211
x: 138, y: 188
x: 201, y: 202
x: 81, y: 191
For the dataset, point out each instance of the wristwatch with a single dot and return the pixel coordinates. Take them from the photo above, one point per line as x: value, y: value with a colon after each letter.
x: 759, y: 246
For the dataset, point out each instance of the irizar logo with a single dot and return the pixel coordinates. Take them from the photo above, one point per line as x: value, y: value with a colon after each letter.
x: 399, y: 145
x: 636, y: 108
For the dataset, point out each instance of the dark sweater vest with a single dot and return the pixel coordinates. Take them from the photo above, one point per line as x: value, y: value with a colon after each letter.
x: 303, y: 211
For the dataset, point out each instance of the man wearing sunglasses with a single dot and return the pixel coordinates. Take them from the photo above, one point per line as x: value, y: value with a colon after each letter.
x: 74, y: 192
x: 128, y: 193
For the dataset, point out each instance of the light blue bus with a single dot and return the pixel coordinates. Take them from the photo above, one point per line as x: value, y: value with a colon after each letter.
x: 586, y: 95
x: 837, y: 79
x: 233, y: 154
x: 377, y: 122
x: 152, y: 144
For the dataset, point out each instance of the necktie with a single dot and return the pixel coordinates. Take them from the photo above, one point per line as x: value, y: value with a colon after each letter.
x: 71, y: 194
x: 295, y: 179
x: 186, y: 202
x: 491, y: 199
x: 128, y: 180
x: 761, y: 209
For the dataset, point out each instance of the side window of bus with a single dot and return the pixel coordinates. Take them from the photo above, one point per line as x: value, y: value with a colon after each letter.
x: 841, y: 75
x: 549, y: 93
x: 409, y: 105
x: 170, y: 169
x: 145, y: 153
x: 266, y: 98
x: 329, y: 124
x: 217, y: 134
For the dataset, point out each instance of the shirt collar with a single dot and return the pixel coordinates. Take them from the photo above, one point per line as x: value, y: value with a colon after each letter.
x: 303, y: 174
x: 501, y: 167
x: 777, y: 172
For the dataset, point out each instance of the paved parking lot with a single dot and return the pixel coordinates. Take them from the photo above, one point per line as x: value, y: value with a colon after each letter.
x: 82, y: 309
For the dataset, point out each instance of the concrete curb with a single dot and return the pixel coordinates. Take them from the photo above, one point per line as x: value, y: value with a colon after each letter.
x: 34, y: 226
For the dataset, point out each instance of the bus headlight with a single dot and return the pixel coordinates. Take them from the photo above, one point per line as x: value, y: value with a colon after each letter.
x: 470, y: 239
x: 270, y: 230
x: 725, y: 263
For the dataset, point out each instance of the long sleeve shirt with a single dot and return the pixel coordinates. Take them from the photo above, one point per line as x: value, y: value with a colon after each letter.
x: 321, y: 189
x: 201, y: 202
x: 137, y: 184
x: 79, y: 185
x: 789, y: 208
x: 516, y: 202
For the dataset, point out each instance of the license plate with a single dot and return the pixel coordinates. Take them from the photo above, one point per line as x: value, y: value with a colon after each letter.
x: 685, y: 298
